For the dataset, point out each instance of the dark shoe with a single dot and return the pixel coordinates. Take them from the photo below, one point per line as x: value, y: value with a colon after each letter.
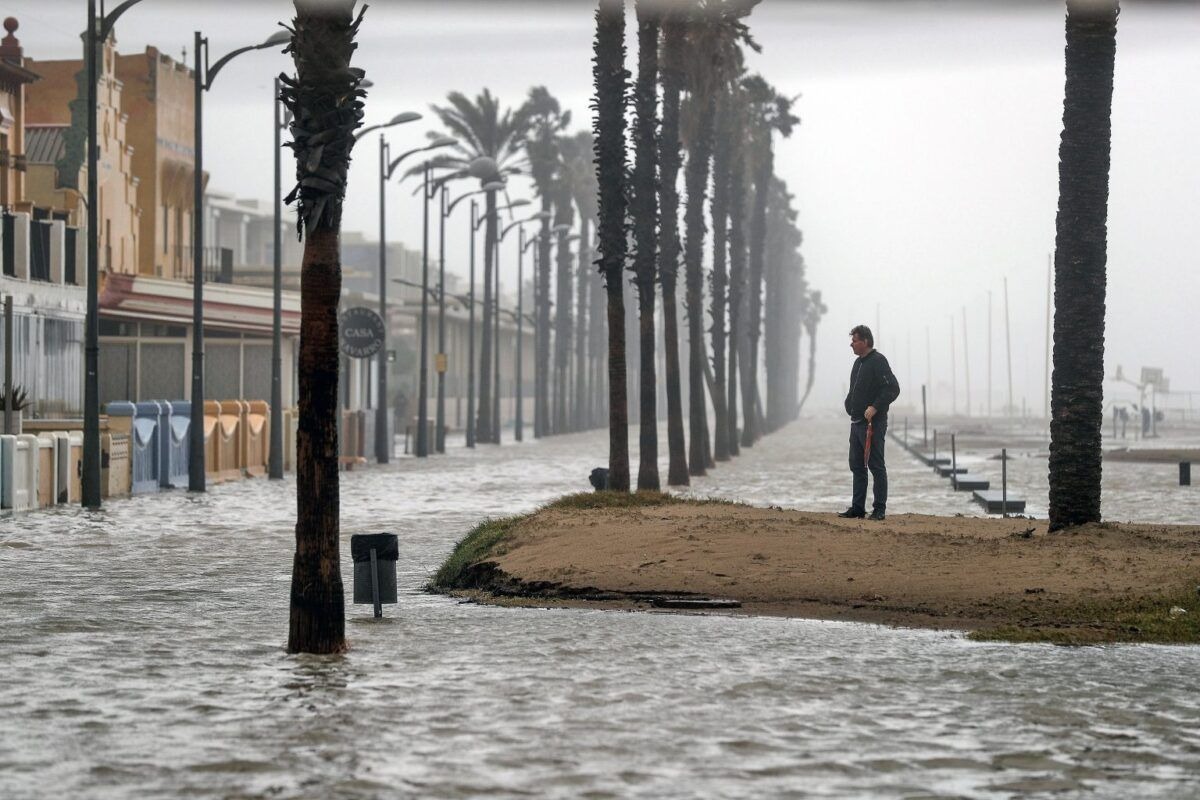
x: 852, y: 513
x: 877, y: 515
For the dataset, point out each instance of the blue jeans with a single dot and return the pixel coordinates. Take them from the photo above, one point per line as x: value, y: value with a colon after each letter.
x: 858, y: 467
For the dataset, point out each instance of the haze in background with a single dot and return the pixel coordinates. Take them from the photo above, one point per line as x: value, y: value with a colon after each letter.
x: 925, y: 167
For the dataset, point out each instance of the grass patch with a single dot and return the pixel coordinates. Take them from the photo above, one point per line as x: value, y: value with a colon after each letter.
x: 483, y: 540
x: 585, y: 501
x: 1142, y: 619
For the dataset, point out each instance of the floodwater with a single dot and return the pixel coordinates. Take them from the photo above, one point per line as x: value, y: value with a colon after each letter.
x: 141, y: 655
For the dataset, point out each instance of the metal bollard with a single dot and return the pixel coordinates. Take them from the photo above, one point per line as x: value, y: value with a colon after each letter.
x: 375, y: 556
x: 935, y: 444
x: 1185, y: 473
x: 953, y: 463
x: 1004, y: 482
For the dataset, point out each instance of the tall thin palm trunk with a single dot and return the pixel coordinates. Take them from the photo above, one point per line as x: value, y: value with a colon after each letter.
x: 674, y: 43
x: 722, y: 154
x: 562, y: 314
x: 696, y: 179
x: 484, y: 431
x: 1080, y: 260
x: 737, y: 290
x: 758, y: 241
x: 611, y: 85
x: 582, y: 280
x: 542, y: 339
x: 644, y: 209
x: 326, y: 105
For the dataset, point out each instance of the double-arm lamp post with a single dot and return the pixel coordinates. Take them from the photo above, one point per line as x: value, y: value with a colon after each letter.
x: 519, y: 417
x: 387, y: 167
x: 474, y: 226
x: 204, y: 77
x: 95, y: 35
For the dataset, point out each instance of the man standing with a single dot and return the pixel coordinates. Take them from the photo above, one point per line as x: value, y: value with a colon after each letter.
x: 873, y: 388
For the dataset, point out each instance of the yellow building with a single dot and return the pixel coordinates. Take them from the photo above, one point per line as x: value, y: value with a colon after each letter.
x: 14, y: 77
x: 56, y: 121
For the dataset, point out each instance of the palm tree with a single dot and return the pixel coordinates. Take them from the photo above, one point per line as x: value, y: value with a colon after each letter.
x: 769, y: 112
x: 564, y: 218
x: 674, y: 54
x: 486, y: 137
x: 783, y: 278
x: 547, y: 122
x: 581, y: 175
x: 737, y: 280
x: 644, y: 210
x: 714, y: 60
x: 611, y: 81
x: 815, y: 310
x: 1080, y: 258
x: 325, y: 100
x: 727, y: 131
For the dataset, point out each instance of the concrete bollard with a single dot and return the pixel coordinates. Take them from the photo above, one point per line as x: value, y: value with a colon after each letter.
x: 375, y: 556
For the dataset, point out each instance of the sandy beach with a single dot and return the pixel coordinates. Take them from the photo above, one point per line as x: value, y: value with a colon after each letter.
x: 1006, y: 578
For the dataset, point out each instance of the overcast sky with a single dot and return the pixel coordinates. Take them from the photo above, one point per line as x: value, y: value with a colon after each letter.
x: 925, y: 166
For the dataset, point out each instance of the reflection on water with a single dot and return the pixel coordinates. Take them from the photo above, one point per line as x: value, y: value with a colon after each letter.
x: 141, y: 654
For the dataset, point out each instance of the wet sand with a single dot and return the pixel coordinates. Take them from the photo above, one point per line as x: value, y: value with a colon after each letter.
x: 962, y: 573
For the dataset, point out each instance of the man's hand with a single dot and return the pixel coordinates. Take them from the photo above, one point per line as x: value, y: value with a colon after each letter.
x: 869, y: 413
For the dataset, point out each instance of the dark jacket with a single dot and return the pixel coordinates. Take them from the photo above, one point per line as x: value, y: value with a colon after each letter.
x: 871, y: 384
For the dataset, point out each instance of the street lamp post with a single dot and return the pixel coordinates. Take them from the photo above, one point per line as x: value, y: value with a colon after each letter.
x: 96, y: 33
x: 204, y: 77
x: 423, y: 439
x: 474, y: 223
x: 440, y: 436
x: 522, y: 245
x: 383, y: 440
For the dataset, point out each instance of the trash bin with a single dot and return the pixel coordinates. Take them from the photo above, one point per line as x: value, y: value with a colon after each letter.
x: 375, y: 556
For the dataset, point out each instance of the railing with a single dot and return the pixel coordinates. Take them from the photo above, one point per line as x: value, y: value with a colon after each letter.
x: 217, y: 264
x: 39, y: 250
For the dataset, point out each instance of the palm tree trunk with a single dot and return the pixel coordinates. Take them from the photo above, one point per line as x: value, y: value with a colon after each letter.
x: 758, y: 240
x: 562, y: 320
x: 324, y: 99
x: 541, y: 411
x: 699, y: 156
x: 583, y: 273
x: 720, y: 278
x: 645, y: 231
x: 737, y: 293
x: 674, y: 39
x: 1080, y: 260
x: 483, y: 423
x: 611, y: 84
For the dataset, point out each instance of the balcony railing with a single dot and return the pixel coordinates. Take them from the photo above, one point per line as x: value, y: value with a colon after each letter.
x: 217, y: 264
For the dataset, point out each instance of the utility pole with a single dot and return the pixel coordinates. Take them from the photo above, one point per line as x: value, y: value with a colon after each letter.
x: 966, y: 361
x: 989, y: 356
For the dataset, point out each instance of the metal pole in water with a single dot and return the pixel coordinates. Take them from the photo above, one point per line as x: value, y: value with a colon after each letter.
x: 924, y: 420
x: 935, y: 445
x: 375, y: 585
x: 953, y: 463
x: 1185, y: 473
x: 1004, y: 482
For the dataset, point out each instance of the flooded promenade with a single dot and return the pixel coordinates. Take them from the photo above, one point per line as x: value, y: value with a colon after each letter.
x: 142, y: 655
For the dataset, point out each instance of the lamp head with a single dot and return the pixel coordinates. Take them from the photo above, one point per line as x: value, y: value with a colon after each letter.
x: 518, y: 203
x: 445, y: 141
x: 483, y: 168
x: 493, y: 186
x: 542, y: 216
x: 277, y: 38
x: 403, y: 117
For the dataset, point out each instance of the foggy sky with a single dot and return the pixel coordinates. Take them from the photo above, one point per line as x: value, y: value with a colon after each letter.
x: 925, y: 166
